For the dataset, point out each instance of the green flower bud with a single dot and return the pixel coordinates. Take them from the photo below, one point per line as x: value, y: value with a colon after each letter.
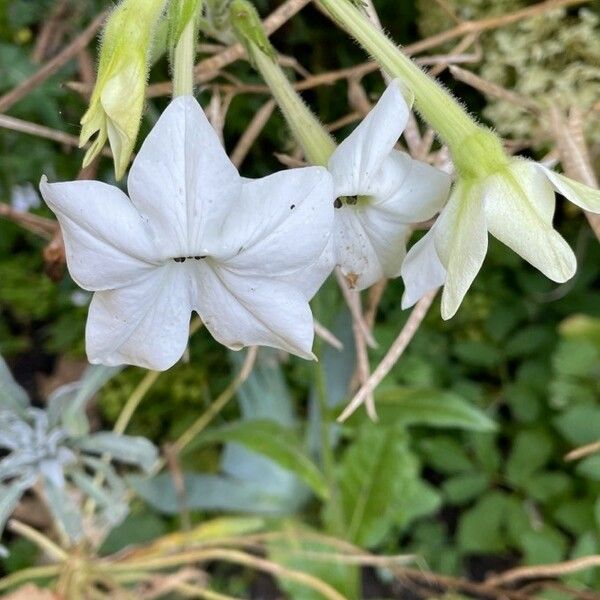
x: 117, y: 101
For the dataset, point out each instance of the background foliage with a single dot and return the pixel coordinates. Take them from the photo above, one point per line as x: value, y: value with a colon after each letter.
x: 465, y: 468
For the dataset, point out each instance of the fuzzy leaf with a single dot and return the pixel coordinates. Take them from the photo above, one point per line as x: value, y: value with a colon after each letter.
x: 130, y: 450
x: 67, y: 404
x: 12, y: 396
x: 274, y: 441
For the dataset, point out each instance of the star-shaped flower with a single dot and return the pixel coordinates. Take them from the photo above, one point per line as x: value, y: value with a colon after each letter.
x: 379, y: 193
x: 194, y: 236
x: 516, y: 205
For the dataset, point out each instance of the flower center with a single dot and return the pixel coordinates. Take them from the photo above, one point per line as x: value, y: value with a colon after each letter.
x: 351, y: 201
x: 180, y: 259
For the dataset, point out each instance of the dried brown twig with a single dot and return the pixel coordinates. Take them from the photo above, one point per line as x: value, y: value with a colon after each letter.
x: 53, y: 65
x: 583, y: 451
x: 42, y: 131
x: 574, y: 155
x: 541, y: 571
x: 393, y: 354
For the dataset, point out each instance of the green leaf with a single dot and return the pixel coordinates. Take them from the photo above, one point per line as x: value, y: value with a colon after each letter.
x: 576, y: 357
x: 590, y: 467
x: 531, y: 450
x: 274, y: 441
x: 543, y: 546
x: 480, y: 527
x: 375, y: 473
x: 297, y: 551
x: 478, y: 353
x: 419, y: 500
x: 124, y: 448
x: 575, y: 515
x: 446, y: 455
x: 135, y: 529
x: 430, y: 407
x: 465, y: 487
x: 580, y: 425
x: 548, y: 485
x: 485, y: 447
x: 529, y: 340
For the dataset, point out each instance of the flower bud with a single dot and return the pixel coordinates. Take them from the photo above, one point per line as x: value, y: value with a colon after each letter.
x: 117, y: 101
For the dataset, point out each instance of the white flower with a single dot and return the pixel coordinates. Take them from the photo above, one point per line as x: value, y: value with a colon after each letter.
x: 195, y: 236
x: 516, y: 205
x: 380, y: 191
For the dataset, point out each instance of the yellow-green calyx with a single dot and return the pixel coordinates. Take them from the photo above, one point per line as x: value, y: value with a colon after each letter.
x: 117, y: 100
x: 317, y: 144
x: 479, y: 155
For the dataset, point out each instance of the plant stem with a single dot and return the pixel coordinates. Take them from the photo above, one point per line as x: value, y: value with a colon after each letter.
x: 317, y: 144
x: 39, y: 539
x: 183, y: 62
x: 327, y: 457
x: 217, y: 406
x: 435, y: 104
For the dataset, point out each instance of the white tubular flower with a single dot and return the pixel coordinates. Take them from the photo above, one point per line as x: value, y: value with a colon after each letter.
x: 195, y: 236
x: 380, y: 192
x: 516, y: 205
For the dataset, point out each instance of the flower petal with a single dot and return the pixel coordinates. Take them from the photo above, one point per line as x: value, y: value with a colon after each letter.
x: 355, y: 163
x: 369, y: 243
x: 108, y: 243
x: 249, y: 311
x: 281, y: 224
x: 145, y: 324
x: 578, y: 193
x: 461, y: 242
x: 519, y: 209
x: 410, y: 189
x: 422, y: 270
x: 311, y: 278
x: 182, y: 179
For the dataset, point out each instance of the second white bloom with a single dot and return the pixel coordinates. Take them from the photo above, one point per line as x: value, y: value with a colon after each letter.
x: 380, y: 192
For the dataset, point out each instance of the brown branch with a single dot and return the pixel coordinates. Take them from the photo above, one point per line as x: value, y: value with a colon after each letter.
x: 53, y: 65
x: 489, y: 23
x: 41, y: 226
x: 492, y: 89
x: 540, y: 571
x: 478, y: 590
x: 583, y: 451
x: 253, y: 130
x: 42, y: 131
x: 393, y: 354
x: 208, y: 68
x: 574, y: 154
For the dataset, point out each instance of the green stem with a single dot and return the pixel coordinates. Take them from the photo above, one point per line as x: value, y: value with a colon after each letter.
x: 437, y: 106
x: 327, y: 456
x: 183, y: 62
x: 317, y: 144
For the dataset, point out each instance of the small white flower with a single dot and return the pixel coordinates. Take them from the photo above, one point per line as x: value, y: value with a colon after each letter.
x: 516, y: 205
x: 195, y: 236
x: 380, y: 192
